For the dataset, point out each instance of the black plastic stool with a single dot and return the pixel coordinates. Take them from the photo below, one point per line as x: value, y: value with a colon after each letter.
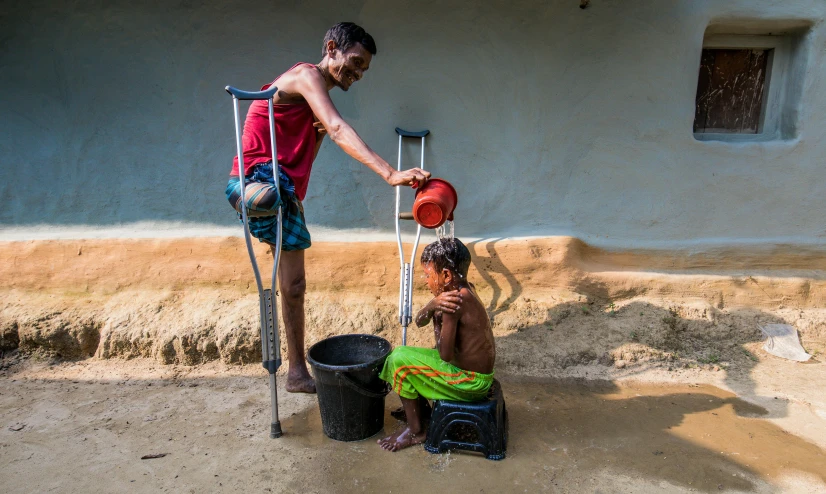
x: 474, y: 426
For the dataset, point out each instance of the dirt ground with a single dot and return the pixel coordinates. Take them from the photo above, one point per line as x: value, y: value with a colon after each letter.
x: 84, y: 426
x: 632, y: 371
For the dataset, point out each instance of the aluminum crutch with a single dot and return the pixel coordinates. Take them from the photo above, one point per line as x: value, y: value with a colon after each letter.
x: 267, y: 303
x: 406, y: 268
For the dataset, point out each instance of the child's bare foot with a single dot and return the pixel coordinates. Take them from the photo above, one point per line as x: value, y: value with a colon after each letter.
x: 427, y: 411
x: 399, y: 414
x: 402, y: 439
x: 300, y: 382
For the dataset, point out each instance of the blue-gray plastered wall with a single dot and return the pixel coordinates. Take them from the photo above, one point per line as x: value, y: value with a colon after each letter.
x: 547, y: 118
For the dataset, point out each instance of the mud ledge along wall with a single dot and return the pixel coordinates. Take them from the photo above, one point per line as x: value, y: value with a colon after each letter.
x: 550, y: 120
x: 553, y: 303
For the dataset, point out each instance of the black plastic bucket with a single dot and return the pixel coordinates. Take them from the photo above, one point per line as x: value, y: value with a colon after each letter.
x: 350, y: 393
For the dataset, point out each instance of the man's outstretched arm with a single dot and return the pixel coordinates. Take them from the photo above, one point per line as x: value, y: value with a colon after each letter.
x: 312, y: 86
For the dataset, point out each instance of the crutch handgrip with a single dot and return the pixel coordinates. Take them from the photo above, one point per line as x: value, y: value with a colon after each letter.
x: 247, y: 95
x: 406, y: 216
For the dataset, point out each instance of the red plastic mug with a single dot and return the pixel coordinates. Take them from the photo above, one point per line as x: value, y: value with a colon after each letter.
x: 435, y: 202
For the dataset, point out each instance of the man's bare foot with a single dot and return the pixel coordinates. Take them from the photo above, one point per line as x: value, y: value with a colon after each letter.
x: 402, y: 439
x: 300, y: 382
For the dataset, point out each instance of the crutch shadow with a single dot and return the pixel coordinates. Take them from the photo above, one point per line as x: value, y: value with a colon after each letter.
x: 489, y: 263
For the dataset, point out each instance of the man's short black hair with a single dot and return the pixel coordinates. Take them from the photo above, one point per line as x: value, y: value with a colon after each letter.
x: 448, y: 253
x: 347, y: 34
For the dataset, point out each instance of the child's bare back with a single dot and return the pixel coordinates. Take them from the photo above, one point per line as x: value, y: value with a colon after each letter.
x: 473, y: 345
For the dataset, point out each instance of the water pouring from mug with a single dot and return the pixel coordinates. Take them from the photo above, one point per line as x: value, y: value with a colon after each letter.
x: 446, y: 231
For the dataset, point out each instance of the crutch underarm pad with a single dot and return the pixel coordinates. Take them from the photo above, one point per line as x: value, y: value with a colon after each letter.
x: 407, y: 133
x: 247, y: 95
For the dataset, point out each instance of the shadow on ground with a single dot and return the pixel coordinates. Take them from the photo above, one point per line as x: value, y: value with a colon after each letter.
x: 565, y: 435
x: 579, y: 435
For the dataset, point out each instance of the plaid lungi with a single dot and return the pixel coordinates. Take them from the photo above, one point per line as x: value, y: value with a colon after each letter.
x: 263, y: 198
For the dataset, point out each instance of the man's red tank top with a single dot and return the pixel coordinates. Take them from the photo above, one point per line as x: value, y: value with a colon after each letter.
x: 295, y: 139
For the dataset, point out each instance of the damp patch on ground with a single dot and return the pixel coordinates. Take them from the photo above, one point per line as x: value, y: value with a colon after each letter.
x: 86, y: 426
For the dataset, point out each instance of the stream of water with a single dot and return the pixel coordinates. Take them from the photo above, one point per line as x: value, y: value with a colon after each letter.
x: 446, y: 231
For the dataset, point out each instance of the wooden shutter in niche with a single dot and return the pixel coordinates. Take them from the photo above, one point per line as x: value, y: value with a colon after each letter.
x: 730, y: 91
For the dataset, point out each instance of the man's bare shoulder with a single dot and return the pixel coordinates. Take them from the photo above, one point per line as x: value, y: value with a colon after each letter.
x: 301, y: 72
x: 293, y: 84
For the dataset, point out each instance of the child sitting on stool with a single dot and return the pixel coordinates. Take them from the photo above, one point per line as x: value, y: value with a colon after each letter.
x: 460, y: 368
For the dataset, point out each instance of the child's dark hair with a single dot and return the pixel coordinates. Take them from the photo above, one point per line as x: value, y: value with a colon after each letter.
x: 347, y: 34
x: 448, y: 253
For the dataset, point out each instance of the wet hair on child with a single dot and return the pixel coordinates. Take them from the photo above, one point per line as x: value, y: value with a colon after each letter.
x: 448, y: 253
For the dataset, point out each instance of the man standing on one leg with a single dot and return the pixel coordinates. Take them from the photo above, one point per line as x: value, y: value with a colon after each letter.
x: 303, y: 113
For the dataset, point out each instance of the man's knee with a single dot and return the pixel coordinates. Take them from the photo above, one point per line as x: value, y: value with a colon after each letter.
x: 295, y: 288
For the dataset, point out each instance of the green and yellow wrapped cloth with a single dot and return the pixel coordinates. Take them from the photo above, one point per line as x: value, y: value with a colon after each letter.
x: 415, y: 371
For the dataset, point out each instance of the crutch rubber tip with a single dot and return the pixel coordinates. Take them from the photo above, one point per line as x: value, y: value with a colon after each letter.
x: 275, y: 430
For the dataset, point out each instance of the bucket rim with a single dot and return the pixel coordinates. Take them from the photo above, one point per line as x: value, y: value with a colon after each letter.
x: 346, y: 368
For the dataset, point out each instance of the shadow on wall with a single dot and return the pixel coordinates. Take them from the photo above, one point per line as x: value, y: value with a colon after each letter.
x: 490, y: 263
x: 602, y: 330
